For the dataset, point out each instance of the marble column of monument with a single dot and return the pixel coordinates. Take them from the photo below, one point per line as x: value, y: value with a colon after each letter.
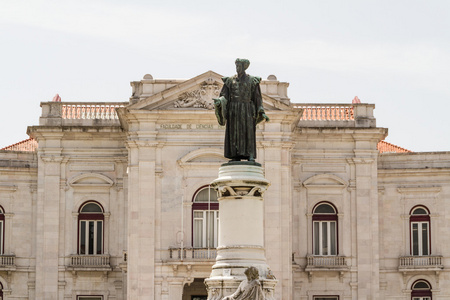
x: 241, y: 186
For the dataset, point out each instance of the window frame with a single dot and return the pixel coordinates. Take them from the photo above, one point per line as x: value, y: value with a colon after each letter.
x: 325, y: 218
x: 420, y: 220
x: 204, y: 208
x: 81, y: 297
x: 88, y: 217
x: 420, y: 294
x: 2, y: 231
x: 331, y: 297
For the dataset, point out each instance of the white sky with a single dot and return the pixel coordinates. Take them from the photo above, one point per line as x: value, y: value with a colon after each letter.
x: 394, y: 53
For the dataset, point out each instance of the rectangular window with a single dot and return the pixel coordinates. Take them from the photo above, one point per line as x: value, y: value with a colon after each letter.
x: 420, y: 238
x: 326, y: 298
x: 91, y: 237
x: 205, y: 229
x: 325, y: 242
x: 90, y: 298
x: 421, y: 298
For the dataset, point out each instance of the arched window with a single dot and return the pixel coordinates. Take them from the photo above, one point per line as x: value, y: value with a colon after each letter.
x: 2, y: 232
x: 420, y: 231
x: 90, y: 229
x: 205, y: 218
x: 325, y: 229
x: 421, y: 290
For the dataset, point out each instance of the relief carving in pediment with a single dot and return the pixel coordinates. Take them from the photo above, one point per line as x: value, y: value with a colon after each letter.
x: 201, y: 97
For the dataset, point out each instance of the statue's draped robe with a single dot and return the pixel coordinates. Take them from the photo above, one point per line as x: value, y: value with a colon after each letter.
x: 249, y: 291
x: 240, y: 109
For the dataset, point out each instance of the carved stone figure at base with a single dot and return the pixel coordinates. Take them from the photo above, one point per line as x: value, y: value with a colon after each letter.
x: 249, y: 289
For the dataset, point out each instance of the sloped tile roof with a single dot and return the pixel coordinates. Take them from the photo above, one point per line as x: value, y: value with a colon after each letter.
x: 29, y: 145
x: 385, y: 147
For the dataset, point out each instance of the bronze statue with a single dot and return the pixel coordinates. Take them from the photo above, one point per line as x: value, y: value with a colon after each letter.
x: 240, y: 108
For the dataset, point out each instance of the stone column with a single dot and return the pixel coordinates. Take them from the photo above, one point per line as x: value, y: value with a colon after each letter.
x: 241, y: 186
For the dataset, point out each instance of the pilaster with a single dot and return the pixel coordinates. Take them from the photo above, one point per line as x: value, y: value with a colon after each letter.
x: 141, y: 222
x: 48, y: 208
x: 367, y: 226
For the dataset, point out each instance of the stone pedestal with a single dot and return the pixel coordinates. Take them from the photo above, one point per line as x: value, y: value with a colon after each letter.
x: 241, y: 186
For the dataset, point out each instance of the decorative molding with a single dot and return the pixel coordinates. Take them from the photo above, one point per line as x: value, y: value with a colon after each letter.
x: 325, y: 181
x: 251, y: 191
x: 76, y: 181
x: 338, y: 168
x: 52, y: 158
x: 363, y: 160
x: 419, y: 189
x: 201, y: 97
x: 213, y: 153
x: 92, y: 167
x: 8, y: 188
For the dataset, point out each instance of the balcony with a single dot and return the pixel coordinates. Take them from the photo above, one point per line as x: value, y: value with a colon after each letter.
x: 89, y: 263
x: 7, y: 262
x: 193, y: 254
x: 420, y: 263
x: 331, y: 263
x: 326, y: 264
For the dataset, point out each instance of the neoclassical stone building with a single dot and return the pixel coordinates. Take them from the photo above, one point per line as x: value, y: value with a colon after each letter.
x: 112, y: 200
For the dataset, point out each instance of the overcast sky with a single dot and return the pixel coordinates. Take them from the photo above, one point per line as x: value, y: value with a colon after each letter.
x: 393, y: 53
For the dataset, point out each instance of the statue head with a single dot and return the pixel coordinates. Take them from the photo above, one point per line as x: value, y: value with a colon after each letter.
x: 251, y: 273
x: 241, y: 64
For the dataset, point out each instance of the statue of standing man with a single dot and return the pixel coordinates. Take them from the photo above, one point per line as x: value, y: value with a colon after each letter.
x: 240, y: 108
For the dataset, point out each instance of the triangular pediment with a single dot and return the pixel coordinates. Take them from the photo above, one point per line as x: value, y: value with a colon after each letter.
x: 195, y: 94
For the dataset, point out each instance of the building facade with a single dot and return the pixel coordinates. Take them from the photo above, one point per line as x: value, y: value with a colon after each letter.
x: 112, y: 200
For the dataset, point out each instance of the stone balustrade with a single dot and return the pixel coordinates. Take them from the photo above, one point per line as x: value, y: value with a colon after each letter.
x: 336, y: 115
x: 323, y: 112
x: 420, y: 262
x: 80, y: 113
x: 90, y: 262
x: 192, y: 254
x: 89, y: 111
x: 326, y: 261
x: 7, y: 260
